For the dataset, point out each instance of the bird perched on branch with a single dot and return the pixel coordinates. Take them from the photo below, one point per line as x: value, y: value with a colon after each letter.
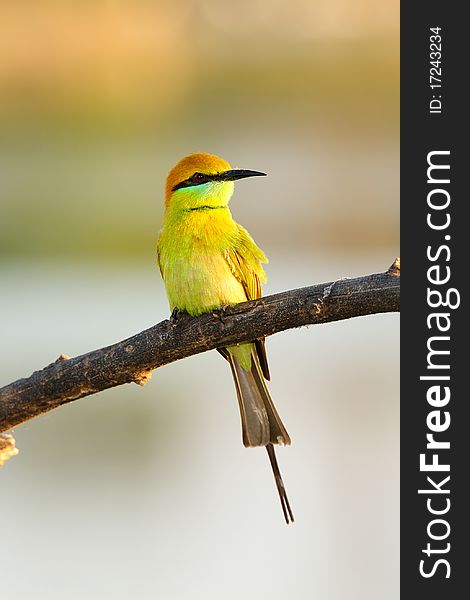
x: 208, y: 261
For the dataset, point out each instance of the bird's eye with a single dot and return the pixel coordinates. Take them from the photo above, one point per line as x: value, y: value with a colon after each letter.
x: 199, y: 177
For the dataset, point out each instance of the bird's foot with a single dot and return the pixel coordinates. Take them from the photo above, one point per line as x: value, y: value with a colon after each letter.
x: 219, y: 314
x: 176, y: 316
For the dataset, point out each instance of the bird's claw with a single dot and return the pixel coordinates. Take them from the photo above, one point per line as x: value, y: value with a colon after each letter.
x: 175, y: 316
x: 219, y: 315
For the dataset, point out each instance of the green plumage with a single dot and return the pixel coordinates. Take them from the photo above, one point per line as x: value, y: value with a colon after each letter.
x: 208, y: 261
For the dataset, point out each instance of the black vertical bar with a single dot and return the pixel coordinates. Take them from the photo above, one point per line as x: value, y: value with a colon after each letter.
x: 443, y: 250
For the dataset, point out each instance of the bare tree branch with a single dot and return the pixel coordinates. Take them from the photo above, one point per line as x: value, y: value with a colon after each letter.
x: 132, y: 360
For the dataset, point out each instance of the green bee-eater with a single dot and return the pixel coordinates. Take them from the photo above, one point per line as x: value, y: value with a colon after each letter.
x: 208, y: 261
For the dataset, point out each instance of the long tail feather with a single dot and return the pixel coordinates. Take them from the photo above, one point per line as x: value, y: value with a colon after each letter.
x: 261, y: 424
x: 286, y: 509
x: 254, y: 417
x: 277, y: 432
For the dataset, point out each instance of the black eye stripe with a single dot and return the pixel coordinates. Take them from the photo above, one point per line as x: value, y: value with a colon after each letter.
x: 195, y: 179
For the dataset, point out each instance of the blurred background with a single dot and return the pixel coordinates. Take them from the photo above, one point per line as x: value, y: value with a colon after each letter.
x: 149, y: 492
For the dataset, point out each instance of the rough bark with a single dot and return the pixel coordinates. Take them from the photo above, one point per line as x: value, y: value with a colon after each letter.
x: 133, y: 359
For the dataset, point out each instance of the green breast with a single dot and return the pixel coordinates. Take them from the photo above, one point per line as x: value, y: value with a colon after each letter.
x: 192, y: 259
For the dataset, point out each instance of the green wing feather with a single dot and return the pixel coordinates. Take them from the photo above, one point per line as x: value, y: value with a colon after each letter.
x: 245, y: 261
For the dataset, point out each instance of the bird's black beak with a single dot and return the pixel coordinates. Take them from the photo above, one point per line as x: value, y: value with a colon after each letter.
x: 235, y: 174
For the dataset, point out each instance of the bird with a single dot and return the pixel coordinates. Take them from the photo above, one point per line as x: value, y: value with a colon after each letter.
x: 208, y: 261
